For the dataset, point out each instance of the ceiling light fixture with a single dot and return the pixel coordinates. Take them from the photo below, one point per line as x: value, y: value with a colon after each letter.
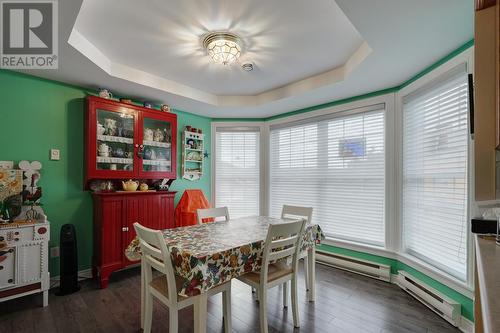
x: 223, y: 47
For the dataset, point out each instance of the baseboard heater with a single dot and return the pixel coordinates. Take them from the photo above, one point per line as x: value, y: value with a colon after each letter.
x: 433, y: 299
x: 363, y: 267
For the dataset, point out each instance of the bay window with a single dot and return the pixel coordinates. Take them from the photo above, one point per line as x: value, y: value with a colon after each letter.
x: 384, y: 175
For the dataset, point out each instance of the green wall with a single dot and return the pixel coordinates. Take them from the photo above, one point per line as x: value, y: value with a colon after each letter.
x: 466, y: 303
x: 37, y: 115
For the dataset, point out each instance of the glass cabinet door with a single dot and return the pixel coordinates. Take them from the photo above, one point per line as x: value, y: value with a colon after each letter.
x: 156, y: 146
x: 115, y: 140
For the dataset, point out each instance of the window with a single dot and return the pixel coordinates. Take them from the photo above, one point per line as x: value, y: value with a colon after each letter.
x: 335, y: 164
x: 237, y: 171
x: 435, y: 155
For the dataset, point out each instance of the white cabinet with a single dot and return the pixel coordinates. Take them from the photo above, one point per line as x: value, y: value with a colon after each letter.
x: 24, y: 260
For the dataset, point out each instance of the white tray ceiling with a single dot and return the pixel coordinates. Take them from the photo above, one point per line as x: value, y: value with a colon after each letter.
x: 305, y: 52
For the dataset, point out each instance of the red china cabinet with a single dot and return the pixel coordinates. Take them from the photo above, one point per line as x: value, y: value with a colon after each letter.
x: 123, y: 142
x: 127, y: 141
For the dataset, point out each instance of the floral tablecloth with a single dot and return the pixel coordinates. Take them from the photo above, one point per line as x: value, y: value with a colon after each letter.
x: 210, y: 254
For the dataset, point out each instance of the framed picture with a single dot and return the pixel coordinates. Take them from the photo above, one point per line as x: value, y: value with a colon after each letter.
x: 352, y: 147
x: 11, y: 183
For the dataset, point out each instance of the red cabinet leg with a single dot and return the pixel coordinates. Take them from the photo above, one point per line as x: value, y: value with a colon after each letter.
x: 103, y: 282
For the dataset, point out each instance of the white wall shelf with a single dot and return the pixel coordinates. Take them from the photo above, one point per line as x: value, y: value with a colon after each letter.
x: 193, y: 145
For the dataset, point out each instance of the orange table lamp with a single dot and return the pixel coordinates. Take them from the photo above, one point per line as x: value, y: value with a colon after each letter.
x: 185, y: 212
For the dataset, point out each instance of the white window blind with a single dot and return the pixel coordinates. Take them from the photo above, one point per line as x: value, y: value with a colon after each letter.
x: 337, y: 166
x: 435, y: 154
x: 237, y: 171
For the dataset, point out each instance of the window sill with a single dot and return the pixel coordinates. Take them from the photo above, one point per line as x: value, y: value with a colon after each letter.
x: 447, y: 280
x: 365, y: 248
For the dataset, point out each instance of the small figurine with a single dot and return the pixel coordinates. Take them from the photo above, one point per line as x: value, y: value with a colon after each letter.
x: 159, y: 136
x: 105, y: 93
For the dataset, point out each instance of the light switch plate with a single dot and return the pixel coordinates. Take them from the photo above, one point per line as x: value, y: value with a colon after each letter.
x: 55, y: 155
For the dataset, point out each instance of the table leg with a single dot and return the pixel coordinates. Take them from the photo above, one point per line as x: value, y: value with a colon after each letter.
x: 200, y: 314
x: 311, y: 274
x: 306, y: 271
x: 143, y: 290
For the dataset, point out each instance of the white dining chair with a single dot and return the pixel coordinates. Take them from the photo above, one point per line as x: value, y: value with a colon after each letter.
x: 155, y: 254
x: 212, y: 213
x: 281, y: 244
x: 289, y: 211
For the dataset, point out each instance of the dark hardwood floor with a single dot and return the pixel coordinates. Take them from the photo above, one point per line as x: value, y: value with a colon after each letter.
x: 346, y: 302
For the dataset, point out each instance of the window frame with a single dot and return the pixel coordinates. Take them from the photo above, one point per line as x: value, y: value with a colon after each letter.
x: 262, y: 157
x: 384, y: 103
x: 466, y: 58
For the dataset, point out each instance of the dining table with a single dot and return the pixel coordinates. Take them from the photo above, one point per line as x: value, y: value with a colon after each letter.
x: 209, y: 254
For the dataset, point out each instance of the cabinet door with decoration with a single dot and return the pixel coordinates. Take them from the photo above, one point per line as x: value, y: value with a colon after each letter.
x: 157, y: 150
x: 112, y: 134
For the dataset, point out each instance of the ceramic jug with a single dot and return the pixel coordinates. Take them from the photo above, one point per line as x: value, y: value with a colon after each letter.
x: 103, y: 150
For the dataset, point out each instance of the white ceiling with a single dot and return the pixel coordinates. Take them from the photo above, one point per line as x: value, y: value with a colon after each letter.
x: 305, y: 52
x: 281, y: 45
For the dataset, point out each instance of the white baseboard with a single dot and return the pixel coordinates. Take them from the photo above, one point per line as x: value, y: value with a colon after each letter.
x: 466, y: 325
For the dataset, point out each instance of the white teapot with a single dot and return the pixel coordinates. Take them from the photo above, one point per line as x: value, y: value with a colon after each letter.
x: 148, y: 134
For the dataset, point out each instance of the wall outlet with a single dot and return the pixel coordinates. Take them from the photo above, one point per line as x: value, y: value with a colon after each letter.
x: 55, y: 154
x: 54, y: 252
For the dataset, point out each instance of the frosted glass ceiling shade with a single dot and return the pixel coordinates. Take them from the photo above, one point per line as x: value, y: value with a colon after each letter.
x: 223, y: 47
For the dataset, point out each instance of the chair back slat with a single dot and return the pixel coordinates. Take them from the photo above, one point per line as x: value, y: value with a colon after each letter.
x: 154, y: 257
x: 297, y: 212
x: 281, y: 254
x: 155, y: 254
x: 282, y: 242
x: 212, y: 213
